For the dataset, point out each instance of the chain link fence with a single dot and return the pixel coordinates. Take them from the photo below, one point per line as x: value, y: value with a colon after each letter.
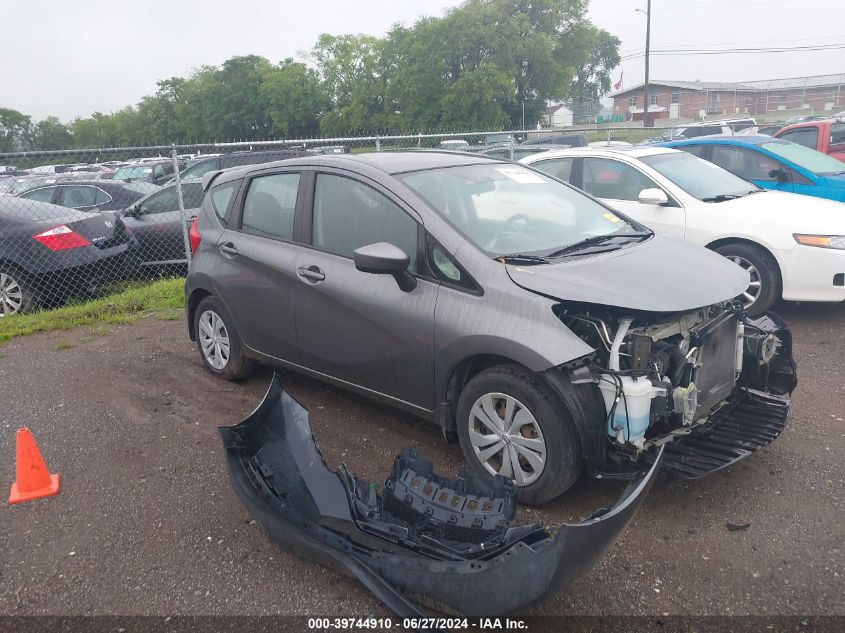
x: 77, y: 223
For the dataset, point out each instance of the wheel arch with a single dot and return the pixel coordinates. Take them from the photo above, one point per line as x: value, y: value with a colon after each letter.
x: 194, y: 299
x: 724, y: 241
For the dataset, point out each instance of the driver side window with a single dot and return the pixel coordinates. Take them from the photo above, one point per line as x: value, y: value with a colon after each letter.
x: 606, y: 178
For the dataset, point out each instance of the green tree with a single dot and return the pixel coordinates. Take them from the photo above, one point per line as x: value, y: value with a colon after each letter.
x: 15, y: 130
x: 295, y: 99
x: 51, y: 133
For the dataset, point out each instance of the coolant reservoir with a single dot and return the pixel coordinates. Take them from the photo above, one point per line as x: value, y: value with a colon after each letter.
x: 629, y: 423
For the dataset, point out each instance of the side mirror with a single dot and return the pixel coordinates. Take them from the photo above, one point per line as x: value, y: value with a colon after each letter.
x: 383, y: 258
x: 132, y: 211
x: 779, y: 174
x: 653, y: 196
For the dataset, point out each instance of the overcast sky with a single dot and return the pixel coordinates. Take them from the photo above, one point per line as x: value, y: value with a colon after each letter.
x: 72, y: 58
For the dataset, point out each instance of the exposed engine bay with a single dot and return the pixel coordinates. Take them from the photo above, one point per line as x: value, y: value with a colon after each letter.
x: 661, y: 377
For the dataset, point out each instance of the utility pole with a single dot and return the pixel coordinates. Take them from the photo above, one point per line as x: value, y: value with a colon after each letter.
x: 646, y: 122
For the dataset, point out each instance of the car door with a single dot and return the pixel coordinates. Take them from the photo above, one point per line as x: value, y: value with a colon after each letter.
x: 358, y: 327
x: 619, y: 185
x: 756, y: 167
x: 256, y: 270
x: 156, y: 223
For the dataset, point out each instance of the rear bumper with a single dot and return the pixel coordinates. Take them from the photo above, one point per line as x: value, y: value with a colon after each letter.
x: 278, y: 472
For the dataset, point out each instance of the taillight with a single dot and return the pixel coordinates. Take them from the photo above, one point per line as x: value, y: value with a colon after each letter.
x: 61, y: 238
x: 194, y: 236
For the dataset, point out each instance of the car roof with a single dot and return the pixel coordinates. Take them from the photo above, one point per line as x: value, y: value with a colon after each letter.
x: 745, y: 139
x: 388, y: 162
x: 634, y: 151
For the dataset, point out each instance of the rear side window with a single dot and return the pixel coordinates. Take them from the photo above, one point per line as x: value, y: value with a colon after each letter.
x: 270, y: 205
x: 837, y: 133
x: 44, y: 194
x: 198, y: 170
x: 81, y: 196
x: 221, y: 198
x: 349, y: 214
x: 807, y: 136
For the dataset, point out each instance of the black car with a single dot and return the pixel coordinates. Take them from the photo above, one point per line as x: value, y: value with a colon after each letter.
x: 155, y: 222
x: 202, y: 166
x: 49, y: 253
x: 570, y: 140
x: 90, y: 195
x: 154, y: 171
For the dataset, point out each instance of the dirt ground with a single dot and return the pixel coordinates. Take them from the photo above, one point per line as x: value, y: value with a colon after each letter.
x: 146, y: 523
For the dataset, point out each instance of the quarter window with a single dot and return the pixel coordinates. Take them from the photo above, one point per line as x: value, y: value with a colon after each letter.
x: 221, y: 196
x: 611, y: 179
x: 44, y: 194
x: 349, y: 214
x: 270, y: 206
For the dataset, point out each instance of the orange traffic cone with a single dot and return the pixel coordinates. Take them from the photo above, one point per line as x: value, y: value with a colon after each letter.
x: 32, y: 479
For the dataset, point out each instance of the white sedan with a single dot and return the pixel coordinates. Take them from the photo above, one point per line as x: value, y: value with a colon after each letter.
x: 792, y: 246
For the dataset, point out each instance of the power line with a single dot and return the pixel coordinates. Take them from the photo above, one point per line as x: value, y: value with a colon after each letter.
x: 735, y: 51
x: 818, y: 40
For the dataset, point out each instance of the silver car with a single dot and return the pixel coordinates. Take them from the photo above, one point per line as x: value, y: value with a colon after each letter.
x: 547, y: 333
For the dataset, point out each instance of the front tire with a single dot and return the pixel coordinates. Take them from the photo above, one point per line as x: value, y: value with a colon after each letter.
x: 511, y: 423
x: 218, y: 341
x: 765, y: 287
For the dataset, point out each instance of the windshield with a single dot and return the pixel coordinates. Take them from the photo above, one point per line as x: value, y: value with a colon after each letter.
x: 509, y: 210
x: 125, y: 173
x: 809, y: 159
x: 198, y: 170
x: 697, y: 177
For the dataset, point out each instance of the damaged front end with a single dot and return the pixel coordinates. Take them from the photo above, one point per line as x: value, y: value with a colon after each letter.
x: 710, y: 384
x: 426, y: 540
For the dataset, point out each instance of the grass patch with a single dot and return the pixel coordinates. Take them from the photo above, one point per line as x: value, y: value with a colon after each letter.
x: 158, y: 298
x: 64, y: 345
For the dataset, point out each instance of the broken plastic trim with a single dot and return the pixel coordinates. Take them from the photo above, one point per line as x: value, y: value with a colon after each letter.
x: 450, y: 546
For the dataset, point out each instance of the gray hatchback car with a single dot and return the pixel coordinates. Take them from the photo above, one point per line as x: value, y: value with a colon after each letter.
x: 545, y: 332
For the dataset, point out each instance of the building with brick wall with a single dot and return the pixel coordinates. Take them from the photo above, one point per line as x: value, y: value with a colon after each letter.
x: 697, y: 99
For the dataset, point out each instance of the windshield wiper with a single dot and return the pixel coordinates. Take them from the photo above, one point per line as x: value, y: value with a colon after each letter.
x: 598, y: 239
x: 519, y: 258
x: 723, y: 196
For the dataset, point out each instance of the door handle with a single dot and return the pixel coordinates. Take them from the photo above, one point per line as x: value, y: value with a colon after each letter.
x: 311, y: 274
x: 228, y: 249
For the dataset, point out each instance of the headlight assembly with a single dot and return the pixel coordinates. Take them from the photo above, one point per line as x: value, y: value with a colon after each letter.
x: 822, y: 241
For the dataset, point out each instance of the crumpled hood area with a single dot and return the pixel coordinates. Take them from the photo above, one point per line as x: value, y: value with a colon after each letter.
x: 425, y: 540
x: 659, y: 275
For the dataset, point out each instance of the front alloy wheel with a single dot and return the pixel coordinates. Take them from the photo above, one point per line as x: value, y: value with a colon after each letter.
x: 214, y: 340
x: 506, y: 438
x: 752, y: 293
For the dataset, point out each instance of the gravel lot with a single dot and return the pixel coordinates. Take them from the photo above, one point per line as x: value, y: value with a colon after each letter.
x: 146, y: 522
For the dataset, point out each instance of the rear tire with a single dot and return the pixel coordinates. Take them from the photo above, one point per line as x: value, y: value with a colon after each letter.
x: 16, y: 294
x: 218, y: 341
x: 764, y: 272
x: 533, y: 431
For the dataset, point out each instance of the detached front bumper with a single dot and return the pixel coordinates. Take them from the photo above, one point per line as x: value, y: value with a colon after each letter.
x: 426, y: 540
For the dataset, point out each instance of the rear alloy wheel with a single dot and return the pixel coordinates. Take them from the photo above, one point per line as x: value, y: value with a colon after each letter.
x: 14, y: 295
x: 511, y: 423
x: 764, y: 287
x: 218, y: 341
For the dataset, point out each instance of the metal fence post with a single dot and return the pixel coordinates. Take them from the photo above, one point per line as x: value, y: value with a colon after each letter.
x: 182, y: 217
x: 378, y: 144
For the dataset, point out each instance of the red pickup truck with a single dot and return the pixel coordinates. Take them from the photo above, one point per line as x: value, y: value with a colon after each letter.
x: 827, y: 136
